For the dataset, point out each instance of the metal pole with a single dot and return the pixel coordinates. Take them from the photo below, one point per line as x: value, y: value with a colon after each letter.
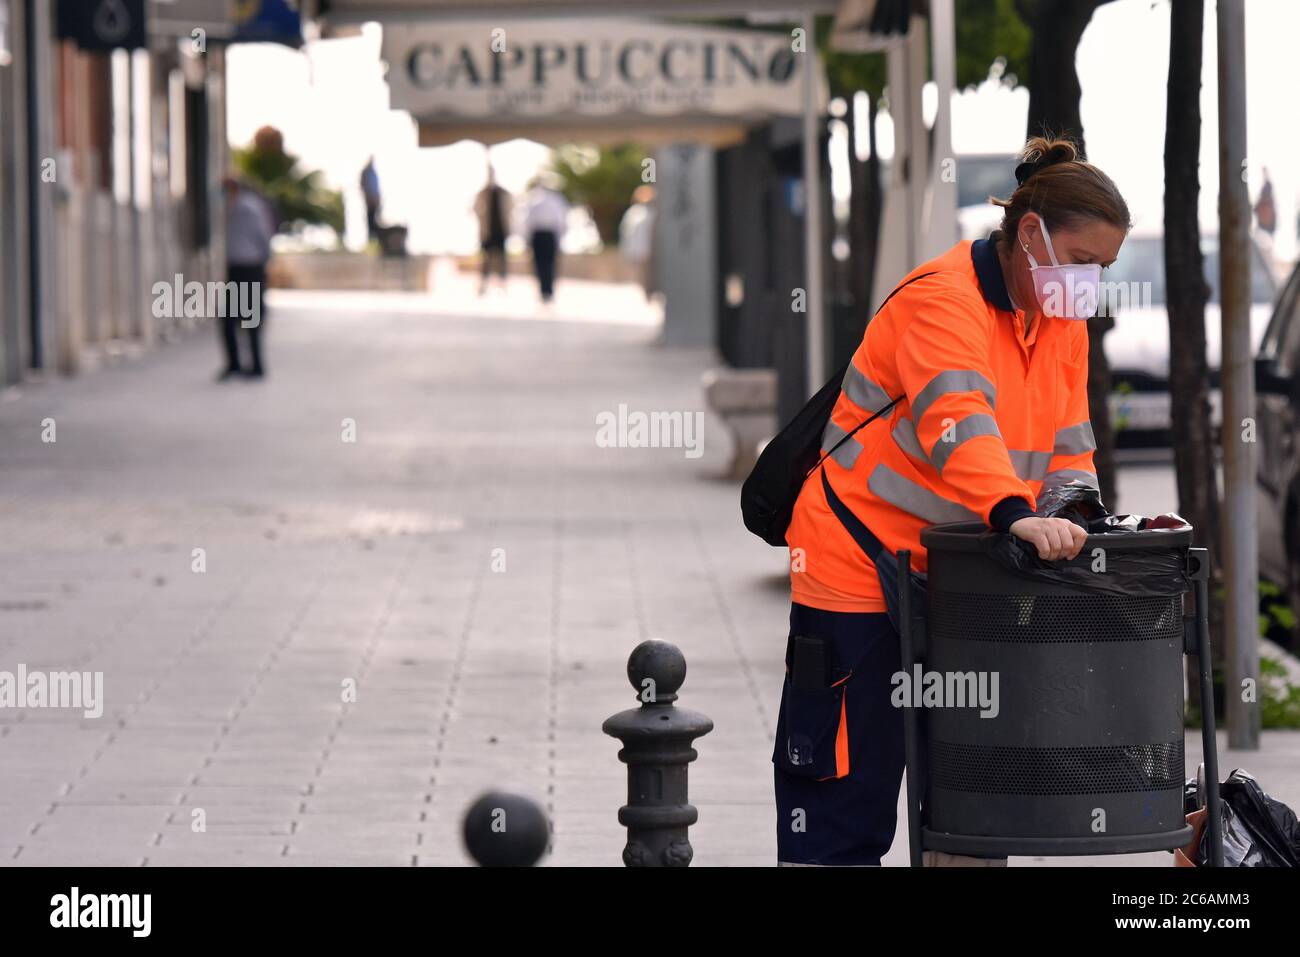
x: 911, y: 742
x: 812, y: 221
x: 1240, y: 537
x: 1209, y: 744
x: 940, y: 214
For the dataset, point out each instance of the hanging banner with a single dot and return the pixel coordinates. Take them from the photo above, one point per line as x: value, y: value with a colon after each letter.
x: 268, y: 21
x: 102, y: 25
x: 567, y: 69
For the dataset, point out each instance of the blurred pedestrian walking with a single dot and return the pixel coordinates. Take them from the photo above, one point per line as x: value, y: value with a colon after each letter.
x: 636, y: 236
x: 1266, y: 218
x: 491, y: 207
x: 544, y: 224
x: 250, y: 224
x: 370, y: 190
x: 1266, y: 206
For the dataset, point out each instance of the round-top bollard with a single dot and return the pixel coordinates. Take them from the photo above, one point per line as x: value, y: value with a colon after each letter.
x: 657, y: 748
x: 505, y: 830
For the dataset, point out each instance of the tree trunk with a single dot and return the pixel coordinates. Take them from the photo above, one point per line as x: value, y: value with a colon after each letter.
x: 1054, y: 92
x: 1099, y: 387
x: 1189, y: 378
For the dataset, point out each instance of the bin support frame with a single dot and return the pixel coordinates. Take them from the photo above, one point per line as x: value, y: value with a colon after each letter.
x: 1200, y: 575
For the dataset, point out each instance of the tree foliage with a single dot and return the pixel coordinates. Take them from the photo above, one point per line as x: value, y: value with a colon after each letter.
x: 601, y: 179
x: 991, y: 39
x: 300, y: 197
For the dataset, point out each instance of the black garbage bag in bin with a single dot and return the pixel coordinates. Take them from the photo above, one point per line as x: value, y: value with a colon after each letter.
x: 1081, y: 504
x: 1150, y: 571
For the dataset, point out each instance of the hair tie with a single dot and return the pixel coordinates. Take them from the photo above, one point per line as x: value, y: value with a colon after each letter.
x: 1028, y: 169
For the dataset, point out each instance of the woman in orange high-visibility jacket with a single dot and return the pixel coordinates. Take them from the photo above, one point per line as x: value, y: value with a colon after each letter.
x: 985, y: 348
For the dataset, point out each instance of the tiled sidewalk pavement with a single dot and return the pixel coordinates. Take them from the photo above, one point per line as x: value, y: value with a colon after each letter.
x: 373, y: 561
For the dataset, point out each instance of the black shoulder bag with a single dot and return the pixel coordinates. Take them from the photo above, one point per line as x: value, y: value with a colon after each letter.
x: 768, y: 495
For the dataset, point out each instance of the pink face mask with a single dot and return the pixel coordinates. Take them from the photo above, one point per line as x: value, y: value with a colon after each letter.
x: 1070, y: 291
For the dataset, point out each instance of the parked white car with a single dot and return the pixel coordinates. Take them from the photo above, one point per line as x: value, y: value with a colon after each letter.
x: 979, y: 176
x: 1138, y: 347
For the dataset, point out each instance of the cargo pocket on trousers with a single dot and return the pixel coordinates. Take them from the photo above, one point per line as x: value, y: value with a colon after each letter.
x: 812, y: 735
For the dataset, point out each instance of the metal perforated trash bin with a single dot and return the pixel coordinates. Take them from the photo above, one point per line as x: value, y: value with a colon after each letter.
x: 1083, y: 751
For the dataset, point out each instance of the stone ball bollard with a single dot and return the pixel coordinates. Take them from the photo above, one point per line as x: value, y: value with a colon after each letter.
x: 657, y: 739
x: 505, y: 830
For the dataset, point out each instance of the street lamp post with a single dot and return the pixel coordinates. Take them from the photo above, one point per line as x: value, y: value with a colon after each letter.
x: 1240, y: 533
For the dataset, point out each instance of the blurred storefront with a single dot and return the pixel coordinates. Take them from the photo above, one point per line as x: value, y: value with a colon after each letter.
x: 727, y: 108
x: 110, y: 182
x: 109, y: 172
x: 686, y: 91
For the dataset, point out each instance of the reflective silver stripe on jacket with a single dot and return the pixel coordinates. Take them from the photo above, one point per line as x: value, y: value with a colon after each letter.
x: 952, y: 381
x: 903, y: 493
x: 847, y: 453
x: 1075, y: 439
x: 1062, y: 476
x: 968, y: 428
x: 905, y: 436
x: 862, y: 392
x: 1030, y: 465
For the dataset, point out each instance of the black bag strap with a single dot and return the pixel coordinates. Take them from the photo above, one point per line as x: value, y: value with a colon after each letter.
x: 849, y: 435
x: 866, y: 540
x: 878, y: 414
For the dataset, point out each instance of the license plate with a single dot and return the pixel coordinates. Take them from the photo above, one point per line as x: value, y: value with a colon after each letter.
x: 1140, y: 410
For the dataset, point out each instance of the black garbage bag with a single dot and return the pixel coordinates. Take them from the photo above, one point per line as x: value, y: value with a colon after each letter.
x: 1076, y: 501
x: 1258, y: 831
x: 1146, y: 573
x: 1082, y: 505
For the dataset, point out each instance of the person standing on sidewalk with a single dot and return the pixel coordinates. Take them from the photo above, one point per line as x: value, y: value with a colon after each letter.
x: 1266, y: 217
x: 983, y: 355
x: 250, y: 225
x: 544, y: 224
x: 371, y: 194
x: 1266, y: 207
x: 491, y: 207
x: 636, y: 237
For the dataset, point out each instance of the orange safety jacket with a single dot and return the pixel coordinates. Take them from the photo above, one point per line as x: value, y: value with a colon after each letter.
x: 988, y: 419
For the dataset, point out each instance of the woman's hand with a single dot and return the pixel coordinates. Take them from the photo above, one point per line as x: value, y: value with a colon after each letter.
x: 1053, y: 537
